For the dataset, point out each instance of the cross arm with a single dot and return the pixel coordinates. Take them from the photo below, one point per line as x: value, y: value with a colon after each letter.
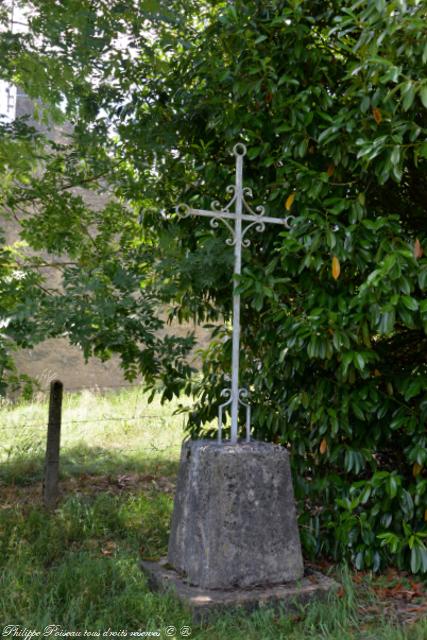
x: 231, y: 216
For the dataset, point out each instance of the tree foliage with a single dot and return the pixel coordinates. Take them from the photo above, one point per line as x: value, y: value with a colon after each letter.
x: 82, y: 267
x: 331, y: 99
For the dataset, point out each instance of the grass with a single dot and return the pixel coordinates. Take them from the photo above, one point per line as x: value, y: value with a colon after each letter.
x: 78, y: 567
x: 101, y: 433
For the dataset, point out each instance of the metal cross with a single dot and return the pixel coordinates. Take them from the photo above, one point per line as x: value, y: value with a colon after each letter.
x: 258, y: 220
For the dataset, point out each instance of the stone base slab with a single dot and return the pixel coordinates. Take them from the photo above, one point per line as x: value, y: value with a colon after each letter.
x: 203, y: 603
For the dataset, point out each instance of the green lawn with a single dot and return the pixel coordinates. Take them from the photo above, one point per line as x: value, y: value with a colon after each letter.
x: 78, y: 567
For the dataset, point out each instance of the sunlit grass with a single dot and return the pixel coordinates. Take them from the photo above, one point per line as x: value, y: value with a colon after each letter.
x: 99, y: 432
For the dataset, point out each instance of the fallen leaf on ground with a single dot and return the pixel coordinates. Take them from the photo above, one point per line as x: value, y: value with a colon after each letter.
x: 109, y: 548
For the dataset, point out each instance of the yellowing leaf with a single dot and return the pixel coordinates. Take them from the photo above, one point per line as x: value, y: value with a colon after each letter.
x: 418, y: 250
x: 377, y: 373
x: 290, y: 200
x: 336, y: 268
x: 330, y: 170
x: 377, y: 115
x: 416, y: 469
x: 323, y: 446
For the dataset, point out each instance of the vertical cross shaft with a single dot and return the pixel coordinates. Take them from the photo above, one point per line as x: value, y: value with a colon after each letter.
x: 235, y: 358
x: 255, y: 218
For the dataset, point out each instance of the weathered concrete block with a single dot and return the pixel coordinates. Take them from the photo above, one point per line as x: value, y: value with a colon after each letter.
x: 234, y: 520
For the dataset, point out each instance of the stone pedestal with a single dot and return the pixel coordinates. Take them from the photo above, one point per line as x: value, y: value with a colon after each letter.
x: 234, y: 521
x: 234, y: 541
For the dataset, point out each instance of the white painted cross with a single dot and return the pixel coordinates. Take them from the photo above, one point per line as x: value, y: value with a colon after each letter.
x: 255, y: 218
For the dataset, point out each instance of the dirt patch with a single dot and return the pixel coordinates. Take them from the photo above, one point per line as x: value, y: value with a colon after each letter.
x: 129, y: 483
x: 89, y: 485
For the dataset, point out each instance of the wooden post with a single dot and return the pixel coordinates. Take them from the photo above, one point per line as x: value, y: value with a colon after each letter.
x: 51, y: 472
